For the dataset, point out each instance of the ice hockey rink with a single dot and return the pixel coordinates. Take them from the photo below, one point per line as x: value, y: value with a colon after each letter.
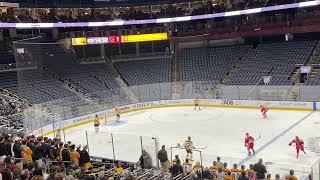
x: 221, y: 130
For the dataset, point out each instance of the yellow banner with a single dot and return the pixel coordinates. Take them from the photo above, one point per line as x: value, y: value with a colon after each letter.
x: 144, y: 37
x: 79, y: 41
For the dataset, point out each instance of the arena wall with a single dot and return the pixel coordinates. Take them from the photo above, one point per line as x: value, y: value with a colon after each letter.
x: 219, y: 103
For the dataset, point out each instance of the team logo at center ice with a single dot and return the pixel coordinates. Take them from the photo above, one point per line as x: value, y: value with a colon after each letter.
x: 314, y: 144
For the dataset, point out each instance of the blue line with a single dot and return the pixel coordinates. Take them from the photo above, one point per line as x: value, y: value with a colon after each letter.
x: 274, y: 139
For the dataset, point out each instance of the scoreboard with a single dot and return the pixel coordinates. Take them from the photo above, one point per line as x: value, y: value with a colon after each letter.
x: 82, y: 41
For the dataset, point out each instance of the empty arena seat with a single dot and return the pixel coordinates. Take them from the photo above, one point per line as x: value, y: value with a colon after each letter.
x: 94, y: 79
x: 148, y: 71
x: 273, y: 59
x: 209, y: 64
x: 33, y: 85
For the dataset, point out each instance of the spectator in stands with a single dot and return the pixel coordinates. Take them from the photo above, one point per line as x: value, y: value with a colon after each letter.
x: 25, y: 174
x: 61, y: 147
x: 145, y: 160
x: 197, y: 166
x: 54, y: 152
x: 235, y: 169
x: 37, y: 174
x: 220, y: 174
x: 3, y: 149
x: 17, y: 148
x: 6, y: 174
x: 31, y: 141
x: 78, y: 148
x: 74, y: 154
x: 260, y: 170
x: 9, y: 163
x: 219, y: 163
x: 102, y: 175
x: 207, y: 174
x: 163, y: 157
x: 85, y: 158
x: 243, y: 176
x: 228, y: 176
x: 177, y: 168
x: 37, y: 153
x: 187, y: 166
x: 225, y: 167
x: 53, y: 170
x: 26, y: 152
x: 291, y: 176
x: 59, y: 176
x: 277, y: 177
x: 16, y: 173
x: 197, y: 169
x: 46, y: 150
x: 268, y: 177
x: 7, y: 144
x: 176, y: 158
x: 243, y: 168
x: 251, y: 173
x: 79, y: 151
x: 197, y: 174
x: 19, y: 163
x: 65, y: 155
x: 214, y: 166
x: 119, y: 168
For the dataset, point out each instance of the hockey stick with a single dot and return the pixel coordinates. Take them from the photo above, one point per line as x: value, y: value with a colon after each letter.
x: 205, y: 147
x: 259, y: 137
x: 182, y: 147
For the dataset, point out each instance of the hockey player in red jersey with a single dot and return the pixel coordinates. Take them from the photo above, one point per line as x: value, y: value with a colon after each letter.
x: 299, y: 145
x: 249, y: 143
x: 264, y: 110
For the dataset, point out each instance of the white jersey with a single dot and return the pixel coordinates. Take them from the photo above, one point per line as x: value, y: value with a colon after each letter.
x: 188, y: 145
x: 187, y: 167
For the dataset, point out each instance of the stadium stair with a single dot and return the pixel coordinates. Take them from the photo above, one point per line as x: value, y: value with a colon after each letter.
x: 123, y: 84
x: 175, y: 78
x: 175, y: 70
x: 274, y: 59
x: 68, y: 85
x: 314, y: 62
x: 116, y: 73
x: 235, y: 68
x: 311, y: 62
x: 293, y: 94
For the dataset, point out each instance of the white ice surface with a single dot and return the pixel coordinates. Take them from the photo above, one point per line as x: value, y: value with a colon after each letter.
x: 222, y: 130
